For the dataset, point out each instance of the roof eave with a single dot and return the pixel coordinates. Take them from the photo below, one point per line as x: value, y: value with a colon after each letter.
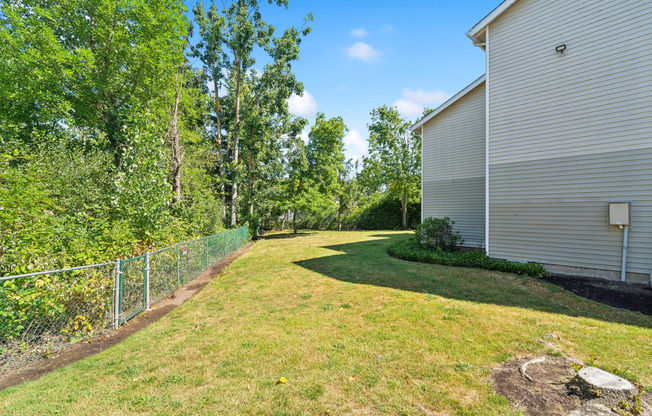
x: 448, y: 103
x: 478, y: 39
x: 479, y: 29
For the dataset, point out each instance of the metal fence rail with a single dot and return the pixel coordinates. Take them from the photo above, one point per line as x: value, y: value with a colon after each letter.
x: 43, y: 313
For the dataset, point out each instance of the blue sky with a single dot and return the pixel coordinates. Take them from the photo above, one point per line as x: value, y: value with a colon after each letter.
x: 362, y: 54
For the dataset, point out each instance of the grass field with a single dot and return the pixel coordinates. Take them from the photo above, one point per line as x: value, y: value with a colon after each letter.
x: 353, y: 331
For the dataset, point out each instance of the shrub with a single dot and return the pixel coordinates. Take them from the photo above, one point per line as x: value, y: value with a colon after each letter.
x: 412, y: 250
x: 438, y: 233
x: 255, y: 225
x: 383, y: 212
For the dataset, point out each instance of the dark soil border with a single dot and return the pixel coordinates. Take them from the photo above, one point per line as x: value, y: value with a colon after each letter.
x: 82, y: 350
x: 635, y: 297
x: 631, y: 296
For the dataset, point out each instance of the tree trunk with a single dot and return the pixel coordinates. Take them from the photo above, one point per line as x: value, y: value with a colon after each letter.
x: 220, y: 156
x: 294, y: 221
x: 252, y: 183
x: 177, y: 157
x: 285, y: 218
x: 339, y: 215
x: 234, y: 193
x: 404, y: 205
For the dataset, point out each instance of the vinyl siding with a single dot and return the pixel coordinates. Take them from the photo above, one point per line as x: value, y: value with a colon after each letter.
x: 570, y: 132
x: 454, y: 166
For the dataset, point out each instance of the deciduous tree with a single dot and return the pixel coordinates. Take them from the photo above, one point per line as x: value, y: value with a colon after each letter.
x: 394, y: 161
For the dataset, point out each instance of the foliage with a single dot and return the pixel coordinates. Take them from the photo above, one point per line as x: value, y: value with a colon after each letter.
x: 378, y: 211
x: 142, y: 194
x: 438, y: 233
x: 383, y: 212
x: 57, y: 212
x: 81, y: 299
x: 255, y: 226
x: 85, y: 63
x: 255, y: 107
x: 314, y: 168
x: 412, y: 250
x: 394, y: 161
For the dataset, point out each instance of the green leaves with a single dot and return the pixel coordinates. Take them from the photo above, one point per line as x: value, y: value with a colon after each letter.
x: 74, y: 65
x: 438, y: 233
x: 412, y: 250
x: 394, y: 161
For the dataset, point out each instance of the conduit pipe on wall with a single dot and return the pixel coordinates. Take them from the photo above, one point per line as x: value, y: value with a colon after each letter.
x: 623, y: 267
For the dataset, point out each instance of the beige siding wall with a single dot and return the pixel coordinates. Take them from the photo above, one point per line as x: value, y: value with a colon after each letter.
x: 570, y: 132
x: 454, y: 166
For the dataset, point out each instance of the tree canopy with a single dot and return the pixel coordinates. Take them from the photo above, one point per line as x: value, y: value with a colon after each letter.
x: 394, y: 161
x: 126, y: 126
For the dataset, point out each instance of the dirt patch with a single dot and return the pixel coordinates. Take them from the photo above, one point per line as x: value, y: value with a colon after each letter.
x: 546, y: 395
x: 632, y: 296
x: 82, y: 350
x: 548, y: 388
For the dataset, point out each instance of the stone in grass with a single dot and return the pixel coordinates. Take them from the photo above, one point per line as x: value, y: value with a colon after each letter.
x: 607, y: 388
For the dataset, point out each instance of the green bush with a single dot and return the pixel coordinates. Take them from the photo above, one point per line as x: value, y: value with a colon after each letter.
x: 412, y: 250
x: 385, y: 214
x: 255, y: 224
x: 438, y: 233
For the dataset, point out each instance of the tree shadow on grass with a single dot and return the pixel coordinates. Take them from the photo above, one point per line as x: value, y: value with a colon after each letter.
x: 283, y: 235
x: 367, y: 262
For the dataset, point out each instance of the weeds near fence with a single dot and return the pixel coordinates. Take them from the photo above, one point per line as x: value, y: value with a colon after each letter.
x: 42, y: 313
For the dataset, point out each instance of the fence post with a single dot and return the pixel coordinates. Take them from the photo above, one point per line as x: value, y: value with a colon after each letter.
x: 117, y: 289
x: 207, y: 252
x: 178, y: 274
x: 147, y: 269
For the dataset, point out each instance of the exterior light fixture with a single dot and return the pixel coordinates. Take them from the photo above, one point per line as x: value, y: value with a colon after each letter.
x: 561, y: 48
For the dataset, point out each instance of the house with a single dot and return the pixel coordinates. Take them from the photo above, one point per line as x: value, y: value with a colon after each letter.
x: 558, y: 131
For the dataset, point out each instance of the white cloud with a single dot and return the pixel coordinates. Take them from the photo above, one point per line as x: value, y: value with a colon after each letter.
x: 303, y: 105
x: 364, y: 52
x: 425, y: 97
x: 387, y: 28
x: 355, y: 145
x: 359, y: 33
x: 304, y: 135
x: 408, y: 108
x: 412, y: 102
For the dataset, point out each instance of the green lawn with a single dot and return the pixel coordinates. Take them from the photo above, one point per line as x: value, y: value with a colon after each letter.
x: 353, y: 331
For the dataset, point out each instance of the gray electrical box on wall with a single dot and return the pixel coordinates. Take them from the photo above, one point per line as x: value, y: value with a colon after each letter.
x: 620, y: 213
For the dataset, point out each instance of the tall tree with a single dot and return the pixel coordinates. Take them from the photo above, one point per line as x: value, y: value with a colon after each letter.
x: 394, y: 160
x: 347, y: 189
x: 184, y: 103
x: 209, y: 49
x: 315, y: 167
x: 230, y: 40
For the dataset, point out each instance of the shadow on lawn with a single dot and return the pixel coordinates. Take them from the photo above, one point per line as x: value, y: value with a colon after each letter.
x: 283, y: 235
x: 367, y: 262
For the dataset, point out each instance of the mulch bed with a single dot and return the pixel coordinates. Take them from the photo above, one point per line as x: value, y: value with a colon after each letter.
x: 82, y: 350
x: 632, y: 296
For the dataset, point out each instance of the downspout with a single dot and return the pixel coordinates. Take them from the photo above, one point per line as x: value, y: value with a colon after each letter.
x: 422, y: 175
x: 487, y: 85
x: 623, y: 267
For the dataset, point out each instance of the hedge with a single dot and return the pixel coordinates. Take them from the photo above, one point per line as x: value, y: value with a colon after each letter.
x: 411, y: 250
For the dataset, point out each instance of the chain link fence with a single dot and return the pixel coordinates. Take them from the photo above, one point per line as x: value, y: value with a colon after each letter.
x: 43, y: 313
